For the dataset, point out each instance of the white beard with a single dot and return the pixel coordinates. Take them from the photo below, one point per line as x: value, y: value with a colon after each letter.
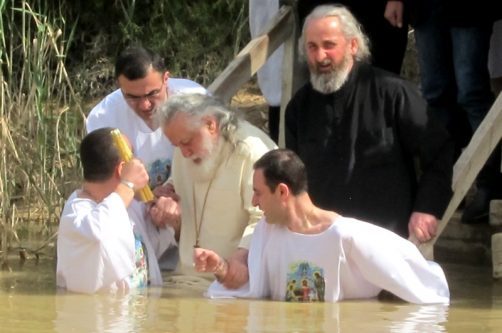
x: 207, y: 167
x: 331, y: 82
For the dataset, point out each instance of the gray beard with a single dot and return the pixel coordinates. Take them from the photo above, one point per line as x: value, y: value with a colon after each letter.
x: 206, y: 169
x: 328, y: 83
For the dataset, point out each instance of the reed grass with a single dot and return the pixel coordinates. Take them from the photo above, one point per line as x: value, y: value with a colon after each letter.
x: 41, y: 121
x: 41, y: 113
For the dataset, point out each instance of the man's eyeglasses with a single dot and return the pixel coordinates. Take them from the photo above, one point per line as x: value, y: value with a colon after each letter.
x: 151, y: 96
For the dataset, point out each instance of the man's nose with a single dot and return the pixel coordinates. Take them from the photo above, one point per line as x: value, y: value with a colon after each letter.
x: 320, y: 54
x: 144, y: 103
x: 186, y: 152
x: 254, y: 201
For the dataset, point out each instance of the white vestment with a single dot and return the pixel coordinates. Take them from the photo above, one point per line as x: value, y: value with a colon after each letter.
x: 351, y: 259
x: 96, y: 245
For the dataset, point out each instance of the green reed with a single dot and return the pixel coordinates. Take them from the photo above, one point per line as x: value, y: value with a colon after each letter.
x: 41, y: 114
x: 40, y: 118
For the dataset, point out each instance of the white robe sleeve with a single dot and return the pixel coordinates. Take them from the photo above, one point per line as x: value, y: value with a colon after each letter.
x: 156, y: 240
x: 395, y: 264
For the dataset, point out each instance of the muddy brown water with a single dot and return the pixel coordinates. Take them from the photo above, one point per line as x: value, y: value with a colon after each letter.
x: 30, y: 302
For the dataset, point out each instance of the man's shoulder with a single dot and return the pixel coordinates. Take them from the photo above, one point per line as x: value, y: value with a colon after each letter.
x: 104, y: 113
x: 384, y: 78
x: 185, y: 86
x: 75, y: 207
x: 253, y: 141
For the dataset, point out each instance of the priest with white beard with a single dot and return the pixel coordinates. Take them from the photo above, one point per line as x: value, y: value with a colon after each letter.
x: 211, y: 180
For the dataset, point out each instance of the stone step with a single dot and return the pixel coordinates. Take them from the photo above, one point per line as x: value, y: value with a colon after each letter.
x: 496, y: 212
x: 466, y: 243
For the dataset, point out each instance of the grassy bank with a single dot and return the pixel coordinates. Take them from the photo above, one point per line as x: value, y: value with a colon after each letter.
x: 40, y: 117
x: 55, y: 56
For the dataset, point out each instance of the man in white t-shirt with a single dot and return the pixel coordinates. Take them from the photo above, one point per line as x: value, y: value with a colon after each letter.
x: 301, y: 253
x: 105, y: 241
x: 144, y: 84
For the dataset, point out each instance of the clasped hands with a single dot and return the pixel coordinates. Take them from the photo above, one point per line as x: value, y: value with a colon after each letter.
x: 165, y: 210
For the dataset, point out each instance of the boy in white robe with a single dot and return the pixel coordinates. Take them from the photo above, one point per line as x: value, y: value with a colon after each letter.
x: 302, y: 253
x: 104, y: 241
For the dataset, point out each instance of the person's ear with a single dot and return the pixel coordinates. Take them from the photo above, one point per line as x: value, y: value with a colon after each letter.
x: 211, y: 124
x: 283, y: 190
x: 118, y: 170
x: 165, y: 76
x: 354, y: 46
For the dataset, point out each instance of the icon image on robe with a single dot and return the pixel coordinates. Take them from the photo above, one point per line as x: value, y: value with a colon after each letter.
x: 305, y: 283
x: 159, y: 171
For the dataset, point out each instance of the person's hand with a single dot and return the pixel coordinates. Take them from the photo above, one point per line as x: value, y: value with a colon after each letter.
x: 207, y: 261
x: 134, y: 171
x: 166, y: 190
x: 394, y: 13
x: 166, y: 211
x: 422, y: 226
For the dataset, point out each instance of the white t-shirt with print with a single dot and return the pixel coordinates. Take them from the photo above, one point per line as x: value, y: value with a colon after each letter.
x: 351, y: 259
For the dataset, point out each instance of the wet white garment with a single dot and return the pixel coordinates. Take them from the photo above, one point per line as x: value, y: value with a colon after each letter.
x: 351, y: 259
x: 96, y: 245
x: 156, y: 240
x: 150, y: 146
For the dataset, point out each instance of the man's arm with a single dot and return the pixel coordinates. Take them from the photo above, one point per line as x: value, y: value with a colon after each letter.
x: 237, y: 273
x: 394, y: 264
x: 423, y: 137
x: 232, y: 272
x: 134, y: 173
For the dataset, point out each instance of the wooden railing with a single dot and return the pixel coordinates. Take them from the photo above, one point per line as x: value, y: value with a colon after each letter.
x: 254, y: 55
x: 282, y: 29
x: 487, y: 136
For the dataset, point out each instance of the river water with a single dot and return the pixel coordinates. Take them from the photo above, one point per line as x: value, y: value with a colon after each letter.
x: 29, y: 302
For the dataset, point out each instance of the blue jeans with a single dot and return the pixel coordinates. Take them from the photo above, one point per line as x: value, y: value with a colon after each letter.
x: 453, y: 64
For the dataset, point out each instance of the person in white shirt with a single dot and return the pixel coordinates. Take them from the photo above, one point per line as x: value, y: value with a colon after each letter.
x: 301, y: 253
x: 105, y: 242
x: 144, y: 84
